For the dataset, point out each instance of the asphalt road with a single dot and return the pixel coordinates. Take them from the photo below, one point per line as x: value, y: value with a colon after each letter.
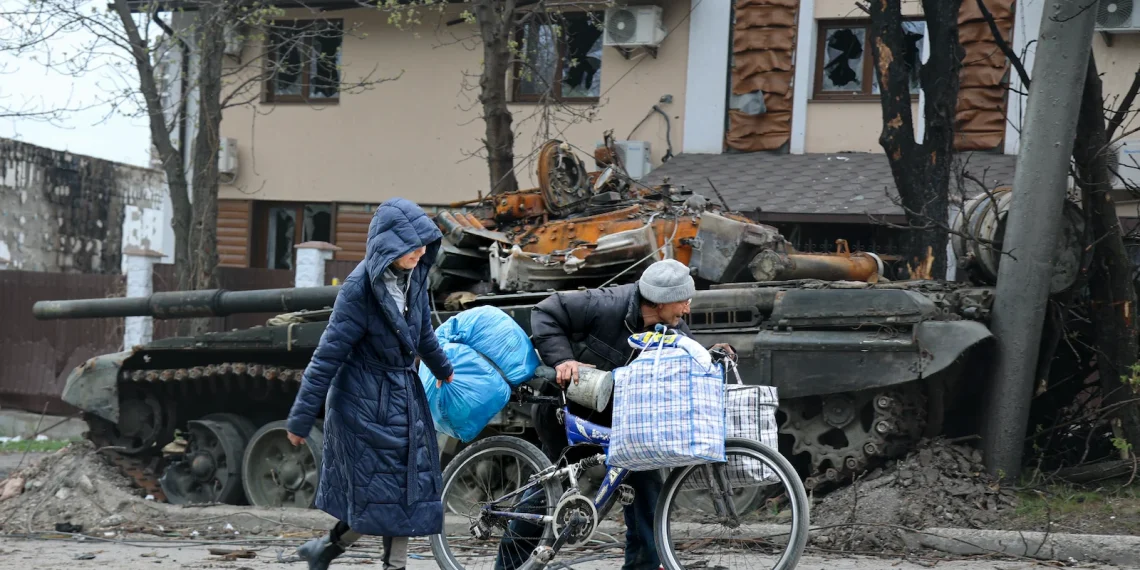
x: 20, y: 554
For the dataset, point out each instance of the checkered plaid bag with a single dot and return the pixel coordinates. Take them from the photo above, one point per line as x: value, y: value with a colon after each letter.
x: 751, y: 414
x: 668, y: 406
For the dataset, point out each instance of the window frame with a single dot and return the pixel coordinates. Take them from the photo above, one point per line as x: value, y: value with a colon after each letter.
x: 822, y: 25
x: 269, y: 94
x: 517, y: 96
x: 259, y: 229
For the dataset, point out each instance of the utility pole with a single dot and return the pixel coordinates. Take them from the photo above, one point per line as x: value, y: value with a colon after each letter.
x: 1033, y: 225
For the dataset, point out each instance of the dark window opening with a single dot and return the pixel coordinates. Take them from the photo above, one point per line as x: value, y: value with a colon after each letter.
x: 845, y: 67
x: 282, y: 232
x: 318, y: 223
x: 304, y: 61
x: 560, y: 58
x: 279, y: 227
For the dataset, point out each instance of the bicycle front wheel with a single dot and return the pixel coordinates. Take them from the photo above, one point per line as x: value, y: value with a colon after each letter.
x: 482, y: 473
x: 763, y: 524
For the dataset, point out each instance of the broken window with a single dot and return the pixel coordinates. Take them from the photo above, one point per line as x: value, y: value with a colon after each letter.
x: 318, y: 223
x: 845, y: 66
x: 560, y: 58
x: 282, y: 231
x: 304, y: 61
x: 281, y: 226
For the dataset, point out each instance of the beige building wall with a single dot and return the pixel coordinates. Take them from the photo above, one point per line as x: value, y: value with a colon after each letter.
x: 412, y: 137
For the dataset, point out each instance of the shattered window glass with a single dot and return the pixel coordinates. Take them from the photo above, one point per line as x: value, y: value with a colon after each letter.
x: 318, y: 223
x: 561, y: 57
x: 287, y: 76
x: 282, y: 227
x: 325, y: 70
x: 843, y: 59
x: 306, y: 60
x: 582, y: 63
x: 540, y: 61
x: 913, y: 34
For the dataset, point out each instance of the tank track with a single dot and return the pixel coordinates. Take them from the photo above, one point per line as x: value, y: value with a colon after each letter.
x: 875, y: 425
x: 167, y: 388
x: 845, y: 434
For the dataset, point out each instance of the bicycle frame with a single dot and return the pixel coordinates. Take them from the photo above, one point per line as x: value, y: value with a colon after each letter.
x: 578, y: 432
x: 581, y: 432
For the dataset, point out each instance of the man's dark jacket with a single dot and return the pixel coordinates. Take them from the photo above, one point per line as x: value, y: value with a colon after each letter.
x: 592, y: 327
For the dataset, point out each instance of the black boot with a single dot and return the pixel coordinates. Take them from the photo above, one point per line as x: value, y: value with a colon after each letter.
x: 319, y: 552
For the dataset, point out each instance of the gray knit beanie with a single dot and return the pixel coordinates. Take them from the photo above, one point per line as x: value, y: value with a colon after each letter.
x: 666, y: 281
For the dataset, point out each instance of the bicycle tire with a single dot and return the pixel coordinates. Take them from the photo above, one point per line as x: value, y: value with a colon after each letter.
x: 475, y: 451
x: 801, y: 507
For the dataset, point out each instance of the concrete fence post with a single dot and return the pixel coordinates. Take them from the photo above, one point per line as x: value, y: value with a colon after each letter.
x: 311, y: 258
x: 140, y: 283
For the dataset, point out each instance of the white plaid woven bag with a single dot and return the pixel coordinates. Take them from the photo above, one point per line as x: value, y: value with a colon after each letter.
x: 668, y: 406
x: 750, y: 414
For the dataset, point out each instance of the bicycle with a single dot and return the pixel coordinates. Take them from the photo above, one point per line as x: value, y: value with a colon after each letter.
x: 575, y: 518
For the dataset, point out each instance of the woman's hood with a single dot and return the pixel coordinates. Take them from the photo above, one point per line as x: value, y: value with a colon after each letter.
x: 399, y: 227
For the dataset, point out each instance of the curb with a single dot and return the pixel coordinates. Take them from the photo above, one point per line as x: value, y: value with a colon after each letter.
x: 1119, y: 550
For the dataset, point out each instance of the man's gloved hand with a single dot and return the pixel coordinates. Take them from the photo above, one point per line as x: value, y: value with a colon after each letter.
x: 568, y: 371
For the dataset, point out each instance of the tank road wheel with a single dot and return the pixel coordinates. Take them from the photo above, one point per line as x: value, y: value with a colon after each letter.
x: 277, y: 474
x: 843, y: 434
x: 143, y: 424
x: 210, y: 470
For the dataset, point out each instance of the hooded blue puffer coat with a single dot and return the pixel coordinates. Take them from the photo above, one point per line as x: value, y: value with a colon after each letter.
x: 380, y: 471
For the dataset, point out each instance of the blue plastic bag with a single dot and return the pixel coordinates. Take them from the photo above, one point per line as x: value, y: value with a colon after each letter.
x: 494, y: 334
x: 464, y: 407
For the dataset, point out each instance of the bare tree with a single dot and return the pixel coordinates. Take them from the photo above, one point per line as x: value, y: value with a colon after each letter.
x: 1113, y: 295
x: 922, y: 171
x: 123, y: 37
x: 1112, y: 292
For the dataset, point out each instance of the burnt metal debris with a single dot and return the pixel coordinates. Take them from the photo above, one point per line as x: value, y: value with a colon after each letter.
x: 865, y: 366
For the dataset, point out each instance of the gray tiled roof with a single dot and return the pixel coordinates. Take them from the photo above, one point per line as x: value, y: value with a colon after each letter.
x: 848, y: 183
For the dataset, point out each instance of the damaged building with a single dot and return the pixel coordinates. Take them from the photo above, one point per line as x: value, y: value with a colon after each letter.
x: 63, y: 212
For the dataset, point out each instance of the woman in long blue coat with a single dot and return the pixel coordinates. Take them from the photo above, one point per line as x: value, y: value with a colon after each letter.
x: 380, y: 472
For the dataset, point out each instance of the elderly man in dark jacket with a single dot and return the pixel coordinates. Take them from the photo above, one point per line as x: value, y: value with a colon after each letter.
x: 592, y: 328
x: 380, y: 472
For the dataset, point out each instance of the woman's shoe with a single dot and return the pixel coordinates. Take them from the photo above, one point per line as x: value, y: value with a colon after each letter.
x: 319, y: 552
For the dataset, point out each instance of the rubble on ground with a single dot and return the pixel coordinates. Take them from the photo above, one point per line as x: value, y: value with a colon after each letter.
x: 940, y: 484
x: 73, y: 486
x: 78, y: 490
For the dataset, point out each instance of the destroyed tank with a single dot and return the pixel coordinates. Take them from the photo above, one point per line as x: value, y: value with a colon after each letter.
x: 864, y: 366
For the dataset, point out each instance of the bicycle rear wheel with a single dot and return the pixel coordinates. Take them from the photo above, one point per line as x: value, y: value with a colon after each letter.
x: 485, y: 471
x: 770, y: 530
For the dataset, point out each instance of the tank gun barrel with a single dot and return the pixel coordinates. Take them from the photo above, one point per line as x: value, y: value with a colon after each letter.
x: 191, y: 304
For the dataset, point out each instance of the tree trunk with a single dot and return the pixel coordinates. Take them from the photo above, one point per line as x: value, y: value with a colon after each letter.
x: 496, y: 23
x: 921, y: 170
x: 212, y: 17
x: 1110, y: 276
x: 171, y: 156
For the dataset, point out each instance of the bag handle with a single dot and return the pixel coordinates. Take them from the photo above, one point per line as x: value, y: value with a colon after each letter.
x: 732, y: 366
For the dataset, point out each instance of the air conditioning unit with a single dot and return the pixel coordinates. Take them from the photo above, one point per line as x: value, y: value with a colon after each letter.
x: 228, y: 159
x: 634, y: 156
x: 1125, y: 163
x: 634, y: 26
x: 1117, y: 16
